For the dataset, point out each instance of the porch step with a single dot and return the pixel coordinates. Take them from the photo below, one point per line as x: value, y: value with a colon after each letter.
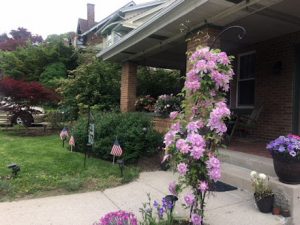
x: 248, y: 161
x: 287, y: 196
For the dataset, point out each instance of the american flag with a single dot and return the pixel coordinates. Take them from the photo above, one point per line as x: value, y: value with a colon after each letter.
x: 64, y: 134
x: 72, y: 141
x: 116, y: 149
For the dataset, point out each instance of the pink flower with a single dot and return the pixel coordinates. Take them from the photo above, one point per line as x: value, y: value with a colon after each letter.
x: 213, y: 162
x: 197, y: 152
x: 214, y: 174
x: 203, y: 186
x: 196, y: 219
x: 200, y: 66
x: 182, y: 146
x: 175, y: 127
x: 192, y: 85
x: 172, y: 188
x: 217, y: 116
x: 223, y: 58
x: 189, y: 199
x: 173, y: 115
x: 169, y: 138
x: 182, y: 168
x: 196, y: 140
x: 194, y: 126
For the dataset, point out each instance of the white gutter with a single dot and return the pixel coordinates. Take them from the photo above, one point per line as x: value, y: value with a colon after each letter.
x: 145, y: 5
x: 151, y: 26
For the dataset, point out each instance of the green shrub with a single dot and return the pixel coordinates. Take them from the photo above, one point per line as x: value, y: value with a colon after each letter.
x: 134, y: 131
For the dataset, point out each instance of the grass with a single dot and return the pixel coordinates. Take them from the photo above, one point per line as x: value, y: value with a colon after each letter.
x: 49, y: 169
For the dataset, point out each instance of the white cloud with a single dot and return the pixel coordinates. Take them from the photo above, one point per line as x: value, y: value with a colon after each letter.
x: 46, y: 17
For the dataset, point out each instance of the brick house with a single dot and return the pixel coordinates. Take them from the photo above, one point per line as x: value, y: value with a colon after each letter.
x: 113, y: 27
x: 267, y: 61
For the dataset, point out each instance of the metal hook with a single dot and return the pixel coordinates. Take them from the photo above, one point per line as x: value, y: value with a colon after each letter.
x: 241, y: 35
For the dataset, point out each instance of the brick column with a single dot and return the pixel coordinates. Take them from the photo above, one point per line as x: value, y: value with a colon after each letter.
x: 128, y: 87
x: 203, y: 38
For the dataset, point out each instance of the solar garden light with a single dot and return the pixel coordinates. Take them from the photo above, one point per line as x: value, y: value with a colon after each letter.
x: 171, y: 199
x: 121, y: 165
x: 14, y: 169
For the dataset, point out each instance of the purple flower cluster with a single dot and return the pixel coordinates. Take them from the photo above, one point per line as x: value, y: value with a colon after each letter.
x: 118, y: 218
x: 208, y: 63
x: 163, y: 208
x: 217, y: 116
x: 214, y: 168
x: 286, y: 144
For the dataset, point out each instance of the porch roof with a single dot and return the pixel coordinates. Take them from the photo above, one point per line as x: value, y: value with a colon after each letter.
x: 160, y: 42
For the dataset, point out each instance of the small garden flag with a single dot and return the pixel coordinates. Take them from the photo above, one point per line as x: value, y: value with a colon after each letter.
x: 72, y: 142
x: 63, y: 135
x: 116, y: 150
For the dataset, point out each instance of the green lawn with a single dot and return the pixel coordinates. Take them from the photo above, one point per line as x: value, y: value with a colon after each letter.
x: 49, y: 169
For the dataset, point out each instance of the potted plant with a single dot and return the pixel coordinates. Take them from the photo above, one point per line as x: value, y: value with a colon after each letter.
x: 263, y: 194
x: 145, y: 103
x: 166, y: 104
x: 285, y: 151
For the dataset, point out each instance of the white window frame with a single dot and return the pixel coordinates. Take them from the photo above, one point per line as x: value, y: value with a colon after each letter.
x: 238, y: 80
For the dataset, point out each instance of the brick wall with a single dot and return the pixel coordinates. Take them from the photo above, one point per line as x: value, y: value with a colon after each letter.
x: 128, y: 87
x: 203, y: 38
x: 274, y: 90
x: 162, y: 125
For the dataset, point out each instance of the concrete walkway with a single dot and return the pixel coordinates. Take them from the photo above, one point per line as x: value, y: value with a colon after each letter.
x: 226, y: 208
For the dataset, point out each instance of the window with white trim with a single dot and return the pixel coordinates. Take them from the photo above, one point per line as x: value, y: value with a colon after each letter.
x: 246, y: 80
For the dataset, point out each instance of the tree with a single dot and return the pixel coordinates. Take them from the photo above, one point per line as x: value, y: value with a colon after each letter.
x: 26, y: 93
x: 30, y: 62
x: 93, y: 82
x: 156, y: 82
x: 19, y: 38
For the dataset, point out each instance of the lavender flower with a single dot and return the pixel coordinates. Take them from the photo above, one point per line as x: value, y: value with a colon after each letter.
x: 196, y: 219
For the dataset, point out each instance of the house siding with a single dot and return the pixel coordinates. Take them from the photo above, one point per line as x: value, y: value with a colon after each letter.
x: 275, y: 91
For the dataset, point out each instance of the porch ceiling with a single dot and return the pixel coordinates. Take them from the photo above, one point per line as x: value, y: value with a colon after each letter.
x: 161, y: 42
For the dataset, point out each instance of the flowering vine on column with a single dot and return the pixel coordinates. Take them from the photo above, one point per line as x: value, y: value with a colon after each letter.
x: 193, y: 139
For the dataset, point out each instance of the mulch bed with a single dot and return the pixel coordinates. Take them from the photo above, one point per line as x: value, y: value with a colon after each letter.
x: 150, y: 163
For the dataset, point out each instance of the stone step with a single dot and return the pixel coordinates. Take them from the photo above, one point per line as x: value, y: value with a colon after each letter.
x: 286, y: 195
x: 248, y: 161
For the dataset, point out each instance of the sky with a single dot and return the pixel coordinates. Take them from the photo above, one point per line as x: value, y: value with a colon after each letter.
x: 46, y: 17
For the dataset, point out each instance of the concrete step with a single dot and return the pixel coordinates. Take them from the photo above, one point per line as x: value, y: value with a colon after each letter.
x: 248, y: 161
x: 286, y: 195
